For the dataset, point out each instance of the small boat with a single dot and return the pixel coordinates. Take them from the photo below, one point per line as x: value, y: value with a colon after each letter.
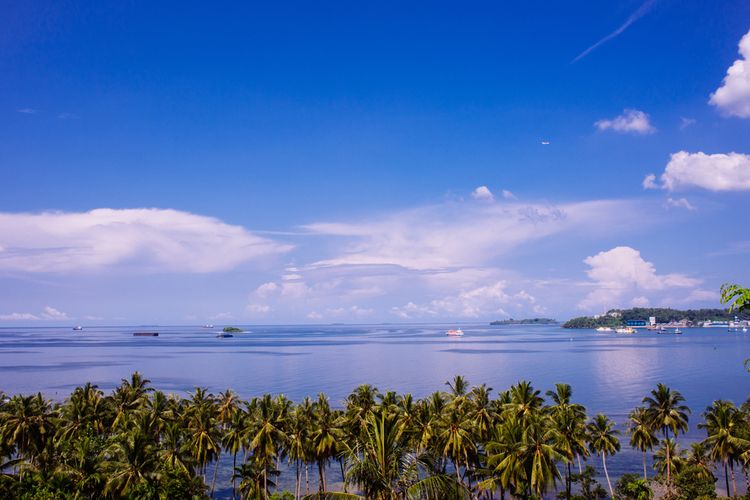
x: 145, y: 334
x: 207, y: 326
x: 455, y: 333
x: 627, y: 330
x: 224, y: 336
x: 732, y: 330
x: 77, y: 328
x: 677, y: 331
x: 744, y: 329
x: 604, y: 329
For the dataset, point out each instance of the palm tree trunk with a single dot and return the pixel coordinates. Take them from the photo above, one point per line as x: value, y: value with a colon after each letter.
x: 606, y: 474
x: 726, y: 476
x: 343, y: 477
x: 234, y: 480
x: 645, y: 474
x: 296, y: 485
x: 265, y: 483
x: 734, y: 481
x: 580, y: 469
x: 321, y: 484
x: 216, y: 470
x: 669, y: 464
x: 307, y: 480
x: 567, y: 482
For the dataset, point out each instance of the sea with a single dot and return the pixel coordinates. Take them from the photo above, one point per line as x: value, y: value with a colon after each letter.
x: 609, y: 372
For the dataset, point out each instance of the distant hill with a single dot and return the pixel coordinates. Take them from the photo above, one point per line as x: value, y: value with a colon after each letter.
x: 527, y: 321
x: 618, y: 317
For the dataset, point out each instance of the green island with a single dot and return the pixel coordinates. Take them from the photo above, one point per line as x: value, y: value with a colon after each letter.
x: 620, y: 317
x: 527, y: 321
x: 464, y: 442
x: 232, y: 329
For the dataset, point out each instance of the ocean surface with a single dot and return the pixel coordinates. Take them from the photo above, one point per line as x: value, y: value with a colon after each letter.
x: 609, y: 372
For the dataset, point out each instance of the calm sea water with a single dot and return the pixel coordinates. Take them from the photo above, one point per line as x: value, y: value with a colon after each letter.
x: 609, y: 372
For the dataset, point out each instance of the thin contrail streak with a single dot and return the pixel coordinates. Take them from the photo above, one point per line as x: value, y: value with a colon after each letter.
x: 642, y: 11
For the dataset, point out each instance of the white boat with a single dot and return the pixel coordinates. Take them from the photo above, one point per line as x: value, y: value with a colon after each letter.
x: 455, y: 333
x: 208, y: 326
x: 604, y: 329
x: 77, y: 328
x: 626, y: 330
x: 677, y: 331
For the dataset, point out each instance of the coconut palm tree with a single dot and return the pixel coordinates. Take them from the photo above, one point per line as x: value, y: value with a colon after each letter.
x: 324, y: 436
x: 132, y: 462
x: 541, y: 454
x: 641, y: 432
x: 383, y: 467
x: 603, y: 441
x: 723, y: 424
x: 666, y: 411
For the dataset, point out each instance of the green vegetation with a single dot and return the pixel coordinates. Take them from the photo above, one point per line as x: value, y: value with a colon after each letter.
x: 737, y: 296
x: 527, y: 321
x: 617, y: 317
x: 232, y: 329
x: 461, y: 443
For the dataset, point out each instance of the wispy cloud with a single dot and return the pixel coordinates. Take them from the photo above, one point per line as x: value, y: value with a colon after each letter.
x: 48, y: 313
x: 28, y: 111
x: 639, y: 13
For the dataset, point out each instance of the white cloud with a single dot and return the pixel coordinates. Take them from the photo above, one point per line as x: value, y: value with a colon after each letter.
x: 48, y: 314
x: 19, y: 317
x: 715, y: 172
x: 733, y: 97
x: 151, y: 240
x: 456, y: 235
x: 28, y: 111
x: 630, y: 121
x: 640, y: 301
x: 686, y: 122
x: 472, y: 303
x: 649, y: 182
x: 222, y: 316
x: 508, y: 195
x: 639, y: 13
x: 621, y: 275
x: 259, y: 309
x: 680, y: 203
x: 53, y: 314
x: 482, y: 193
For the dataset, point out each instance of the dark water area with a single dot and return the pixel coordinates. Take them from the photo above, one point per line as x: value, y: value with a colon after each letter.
x: 609, y: 372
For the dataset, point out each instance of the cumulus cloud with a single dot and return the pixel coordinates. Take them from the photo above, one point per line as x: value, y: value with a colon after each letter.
x: 472, y: 303
x: 733, y: 97
x: 680, y: 203
x: 714, y: 172
x: 48, y: 313
x: 482, y: 193
x: 630, y: 121
x: 155, y: 240
x: 620, y: 276
x: 649, y: 182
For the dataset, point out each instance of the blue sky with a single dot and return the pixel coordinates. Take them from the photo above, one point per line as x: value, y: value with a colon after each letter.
x: 340, y: 162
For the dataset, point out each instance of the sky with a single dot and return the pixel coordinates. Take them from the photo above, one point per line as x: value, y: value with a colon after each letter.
x: 350, y: 162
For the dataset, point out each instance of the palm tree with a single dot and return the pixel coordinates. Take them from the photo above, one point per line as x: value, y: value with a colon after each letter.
x: 505, y: 458
x: 455, y: 436
x: 541, y: 454
x: 723, y: 424
x: 385, y: 469
x: 265, y: 435
x: 665, y: 409
x: 233, y: 439
x: 603, y: 441
x: 669, y: 456
x: 324, y: 436
x: 132, y: 462
x: 642, y: 435
x: 569, y: 428
x: 27, y: 425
